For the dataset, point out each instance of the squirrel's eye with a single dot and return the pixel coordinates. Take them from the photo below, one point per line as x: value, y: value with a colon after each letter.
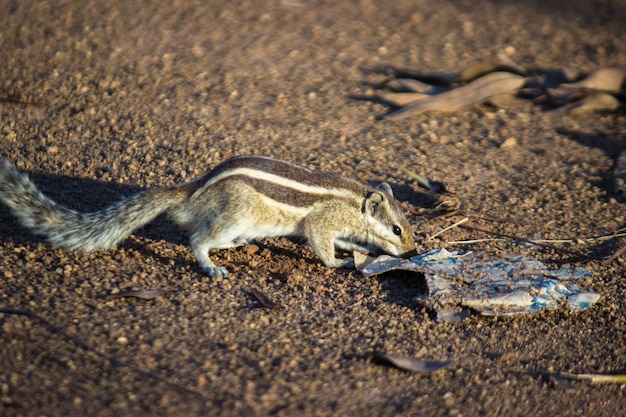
x: 396, y: 230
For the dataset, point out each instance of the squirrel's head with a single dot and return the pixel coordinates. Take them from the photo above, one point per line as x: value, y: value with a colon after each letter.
x: 388, y: 227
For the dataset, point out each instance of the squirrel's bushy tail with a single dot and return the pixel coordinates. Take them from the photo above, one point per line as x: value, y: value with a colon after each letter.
x: 86, y: 232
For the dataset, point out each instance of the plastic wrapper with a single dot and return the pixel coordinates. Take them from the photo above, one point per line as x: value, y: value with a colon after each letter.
x: 459, y: 282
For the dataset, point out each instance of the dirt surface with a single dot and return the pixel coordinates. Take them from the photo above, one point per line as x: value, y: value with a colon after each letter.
x: 118, y: 96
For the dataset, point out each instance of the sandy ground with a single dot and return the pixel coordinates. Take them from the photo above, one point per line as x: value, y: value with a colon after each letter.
x: 121, y: 96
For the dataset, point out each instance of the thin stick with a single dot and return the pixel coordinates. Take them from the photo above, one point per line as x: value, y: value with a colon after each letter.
x: 496, y: 219
x: 423, y: 181
x: 55, y: 329
x: 537, y: 242
x: 615, y: 254
x: 460, y: 222
x: 596, y: 378
x: 521, y: 239
x: 470, y: 242
x: 582, y: 240
x: 12, y: 100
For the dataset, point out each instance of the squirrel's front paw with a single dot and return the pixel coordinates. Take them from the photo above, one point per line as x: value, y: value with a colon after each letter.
x: 347, y: 263
x: 215, y: 271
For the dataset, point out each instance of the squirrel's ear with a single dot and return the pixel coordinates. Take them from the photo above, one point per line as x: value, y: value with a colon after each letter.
x: 372, y: 202
x: 384, y: 187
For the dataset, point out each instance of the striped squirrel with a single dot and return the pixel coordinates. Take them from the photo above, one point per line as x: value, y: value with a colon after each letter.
x: 243, y: 198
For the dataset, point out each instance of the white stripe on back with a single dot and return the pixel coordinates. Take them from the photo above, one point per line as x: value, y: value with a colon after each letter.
x: 282, y: 181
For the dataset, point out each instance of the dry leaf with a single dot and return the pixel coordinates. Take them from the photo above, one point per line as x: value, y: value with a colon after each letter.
x: 477, y: 70
x: 415, y: 85
x: 410, y: 364
x: 401, y: 99
x: 609, y: 80
x: 264, y: 299
x: 503, y: 63
x: 507, y: 62
x: 508, y: 101
x: 534, y: 93
x: 592, y: 102
x: 570, y: 73
x: 563, y: 94
x: 469, y: 94
x: 440, y: 79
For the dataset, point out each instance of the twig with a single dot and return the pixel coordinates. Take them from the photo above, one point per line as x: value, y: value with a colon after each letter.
x: 423, y: 181
x: 537, y: 242
x: 55, y: 329
x: 532, y: 242
x: 12, y: 100
x: 496, y: 219
x: 459, y: 223
x: 470, y: 242
x: 595, y: 378
x: 615, y: 254
x: 582, y: 240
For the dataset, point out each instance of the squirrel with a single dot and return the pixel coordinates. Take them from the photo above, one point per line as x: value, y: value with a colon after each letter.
x: 242, y: 199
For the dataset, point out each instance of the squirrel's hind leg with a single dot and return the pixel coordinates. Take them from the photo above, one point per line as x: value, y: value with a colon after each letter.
x: 203, y: 242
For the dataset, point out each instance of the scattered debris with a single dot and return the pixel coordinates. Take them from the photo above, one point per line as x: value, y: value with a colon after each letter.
x: 410, y: 364
x: 475, y: 92
x: 473, y: 280
x: 504, y: 84
x: 265, y: 300
x: 143, y: 294
x: 590, y: 102
x: 609, y: 80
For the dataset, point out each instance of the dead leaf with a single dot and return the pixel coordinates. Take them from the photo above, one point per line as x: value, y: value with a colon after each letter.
x: 410, y: 364
x: 401, y: 99
x: 440, y: 79
x: 533, y: 93
x: 508, y: 101
x: 592, y: 102
x: 563, y: 95
x: 421, y: 180
x: 143, y: 294
x: 609, y: 80
x: 469, y: 94
x: 415, y: 86
x: 480, y: 68
x: 502, y: 63
x: 264, y: 299
x: 507, y: 62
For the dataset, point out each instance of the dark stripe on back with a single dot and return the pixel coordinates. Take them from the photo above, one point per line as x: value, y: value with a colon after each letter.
x: 283, y: 194
x: 290, y: 171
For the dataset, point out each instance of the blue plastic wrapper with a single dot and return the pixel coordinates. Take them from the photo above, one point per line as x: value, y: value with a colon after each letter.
x: 458, y: 282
